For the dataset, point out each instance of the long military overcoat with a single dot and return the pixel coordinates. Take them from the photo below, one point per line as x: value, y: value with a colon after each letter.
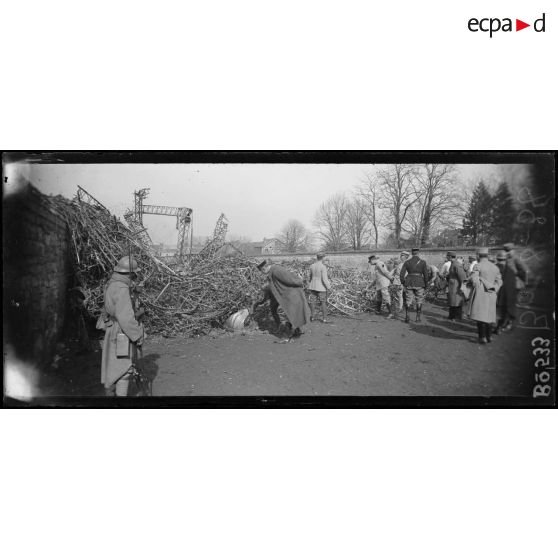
x: 118, y: 306
x: 287, y: 289
x: 486, y: 281
x: 456, y: 276
x: 514, y: 273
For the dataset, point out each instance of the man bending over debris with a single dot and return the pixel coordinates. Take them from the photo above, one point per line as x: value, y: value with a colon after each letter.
x: 284, y: 289
x: 121, y: 329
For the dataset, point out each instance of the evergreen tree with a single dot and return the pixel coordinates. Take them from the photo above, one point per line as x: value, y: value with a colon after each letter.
x: 540, y: 229
x: 503, y: 215
x: 477, y: 220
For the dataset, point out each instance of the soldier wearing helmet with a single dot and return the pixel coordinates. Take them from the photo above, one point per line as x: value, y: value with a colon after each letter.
x: 122, y: 329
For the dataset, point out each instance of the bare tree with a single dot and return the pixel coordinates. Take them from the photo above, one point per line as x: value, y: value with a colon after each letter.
x: 330, y: 221
x: 369, y: 192
x: 437, y: 197
x: 294, y: 237
x: 413, y: 222
x: 357, y: 225
x: 397, y: 195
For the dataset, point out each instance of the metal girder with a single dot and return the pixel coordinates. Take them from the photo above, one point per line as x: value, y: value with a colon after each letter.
x: 183, y: 218
x: 139, y: 196
x: 165, y: 210
x: 84, y: 196
x: 137, y: 228
x: 218, y: 239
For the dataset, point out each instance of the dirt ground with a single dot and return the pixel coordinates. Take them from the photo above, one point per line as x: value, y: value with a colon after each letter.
x: 368, y: 355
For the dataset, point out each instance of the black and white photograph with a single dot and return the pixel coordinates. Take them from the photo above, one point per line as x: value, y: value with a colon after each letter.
x: 254, y: 278
x: 278, y: 279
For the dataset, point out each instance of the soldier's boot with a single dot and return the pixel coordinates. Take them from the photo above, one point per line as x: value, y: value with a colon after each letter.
x: 390, y: 313
x: 312, y: 311
x: 379, y: 306
x: 324, y: 312
x: 406, y: 314
x: 395, y: 312
x: 480, y: 330
x: 487, y: 332
x: 498, y: 327
x: 419, y: 308
x: 297, y: 333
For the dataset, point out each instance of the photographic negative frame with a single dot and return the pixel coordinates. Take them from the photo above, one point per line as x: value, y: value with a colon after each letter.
x: 438, y: 363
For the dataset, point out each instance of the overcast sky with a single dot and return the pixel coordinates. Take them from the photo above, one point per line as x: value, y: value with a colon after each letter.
x: 258, y: 199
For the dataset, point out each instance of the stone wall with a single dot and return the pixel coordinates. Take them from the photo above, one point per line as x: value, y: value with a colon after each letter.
x: 359, y: 260
x: 36, y: 273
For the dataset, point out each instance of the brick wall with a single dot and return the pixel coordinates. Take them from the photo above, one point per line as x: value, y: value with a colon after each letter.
x: 36, y: 271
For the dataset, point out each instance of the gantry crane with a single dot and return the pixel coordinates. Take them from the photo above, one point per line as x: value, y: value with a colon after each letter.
x: 183, y: 219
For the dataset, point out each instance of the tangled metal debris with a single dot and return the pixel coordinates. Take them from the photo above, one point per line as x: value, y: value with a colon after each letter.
x: 184, y: 298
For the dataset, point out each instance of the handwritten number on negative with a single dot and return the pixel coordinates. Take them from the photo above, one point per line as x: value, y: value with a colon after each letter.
x: 540, y: 341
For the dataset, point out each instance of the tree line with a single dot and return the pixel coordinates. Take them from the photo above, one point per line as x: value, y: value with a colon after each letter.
x: 413, y: 202
x: 403, y: 205
x: 494, y: 219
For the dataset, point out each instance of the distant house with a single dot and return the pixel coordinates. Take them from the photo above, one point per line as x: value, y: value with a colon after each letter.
x: 255, y: 248
x: 164, y: 251
x: 266, y: 246
x: 271, y: 246
x: 168, y: 252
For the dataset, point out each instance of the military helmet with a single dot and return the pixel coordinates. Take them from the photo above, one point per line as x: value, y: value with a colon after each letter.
x: 124, y: 265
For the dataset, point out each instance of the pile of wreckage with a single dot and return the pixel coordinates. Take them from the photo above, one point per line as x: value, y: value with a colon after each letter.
x: 187, y: 297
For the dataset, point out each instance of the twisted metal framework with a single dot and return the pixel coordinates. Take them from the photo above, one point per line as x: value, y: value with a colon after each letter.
x: 137, y: 228
x: 218, y: 238
x: 183, y: 219
x: 85, y: 197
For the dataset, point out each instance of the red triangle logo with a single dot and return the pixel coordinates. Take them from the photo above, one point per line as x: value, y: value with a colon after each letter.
x: 519, y: 25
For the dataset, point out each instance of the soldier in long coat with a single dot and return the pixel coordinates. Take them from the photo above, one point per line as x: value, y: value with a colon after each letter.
x: 456, y: 276
x: 486, y: 281
x: 515, y: 275
x: 119, y: 318
x: 285, y: 289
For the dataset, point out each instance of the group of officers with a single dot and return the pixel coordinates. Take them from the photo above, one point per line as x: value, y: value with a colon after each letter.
x: 487, y: 289
x: 486, y: 286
